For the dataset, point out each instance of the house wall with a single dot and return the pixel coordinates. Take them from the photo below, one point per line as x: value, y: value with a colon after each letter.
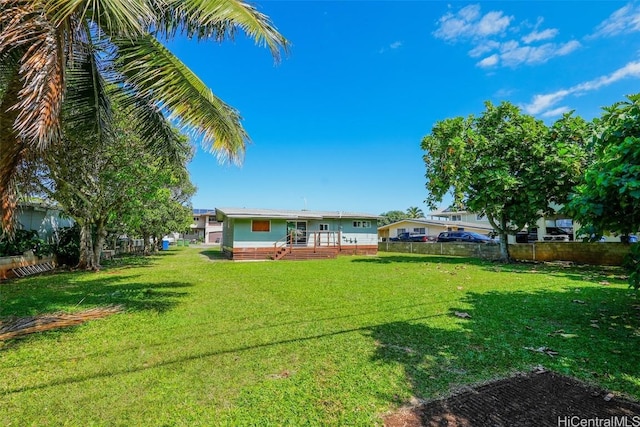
x: 237, y: 236
x: 243, y: 237
x: 43, y: 220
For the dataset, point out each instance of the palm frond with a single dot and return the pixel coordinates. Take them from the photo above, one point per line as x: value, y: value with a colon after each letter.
x: 42, y: 73
x: 218, y: 20
x: 148, y: 69
x: 126, y: 18
x: 161, y: 138
x: 12, y: 149
x: 87, y: 110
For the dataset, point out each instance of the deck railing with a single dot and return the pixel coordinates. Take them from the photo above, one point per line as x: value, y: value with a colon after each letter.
x: 307, y: 239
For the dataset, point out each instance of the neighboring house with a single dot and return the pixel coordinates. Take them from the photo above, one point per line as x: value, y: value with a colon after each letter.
x: 458, y: 216
x: 430, y: 227
x: 42, y: 217
x: 544, y: 223
x: 205, y: 227
x: 278, y: 234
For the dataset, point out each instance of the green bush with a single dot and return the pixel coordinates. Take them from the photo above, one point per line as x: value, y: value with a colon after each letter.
x: 632, y: 265
x: 67, y: 250
x: 23, y: 241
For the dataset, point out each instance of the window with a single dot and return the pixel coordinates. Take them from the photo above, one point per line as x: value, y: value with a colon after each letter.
x: 400, y: 231
x: 196, y: 218
x: 456, y: 217
x: 420, y: 230
x: 480, y: 217
x: 260, y: 225
x: 361, y: 224
x: 212, y: 220
x: 324, y: 227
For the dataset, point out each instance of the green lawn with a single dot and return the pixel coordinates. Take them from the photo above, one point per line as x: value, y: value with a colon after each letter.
x: 332, y: 342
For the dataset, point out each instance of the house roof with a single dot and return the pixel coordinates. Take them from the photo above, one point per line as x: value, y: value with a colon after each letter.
x: 463, y: 224
x: 287, y: 214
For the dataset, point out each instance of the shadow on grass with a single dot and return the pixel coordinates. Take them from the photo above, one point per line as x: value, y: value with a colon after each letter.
x: 501, y: 336
x: 71, y: 291
x: 594, y: 331
x: 214, y: 255
x: 589, y: 273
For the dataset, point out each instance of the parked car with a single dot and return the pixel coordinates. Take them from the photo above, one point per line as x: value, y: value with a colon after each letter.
x: 410, y: 237
x: 464, y: 236
x: 629, y: 239
x: 551, y: 234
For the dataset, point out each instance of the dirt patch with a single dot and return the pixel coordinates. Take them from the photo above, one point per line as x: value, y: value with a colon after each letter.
x: 535, y: 399
x: 17, y: 326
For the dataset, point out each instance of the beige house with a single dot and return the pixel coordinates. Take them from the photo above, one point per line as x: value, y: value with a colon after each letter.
x: 459, y: 216
x: 431, y: 227
x: 544, y: 223
x: 205, y: 227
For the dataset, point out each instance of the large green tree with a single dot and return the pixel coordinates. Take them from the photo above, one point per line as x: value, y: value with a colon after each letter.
x: 50, y: 46
x: 504, y: 164
x: 111, y: 180
x: 608, y: 200
x: 391, y: 217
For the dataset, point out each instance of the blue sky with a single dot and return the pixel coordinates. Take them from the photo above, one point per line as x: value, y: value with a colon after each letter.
x: 337, y: 124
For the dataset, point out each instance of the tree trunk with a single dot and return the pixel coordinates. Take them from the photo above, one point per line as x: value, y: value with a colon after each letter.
x: 86, y: 261
x: 504, y: 240
x: 145, y: 242
x: 98, y: 243
x: 502, y: 230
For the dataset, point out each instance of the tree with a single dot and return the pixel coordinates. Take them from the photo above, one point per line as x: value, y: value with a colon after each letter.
x: 504, y: 164
x: 608, y: 200
x: 415, y: 212
x: 391, y: 217
x: 110, y: 180
x: 48, y: 46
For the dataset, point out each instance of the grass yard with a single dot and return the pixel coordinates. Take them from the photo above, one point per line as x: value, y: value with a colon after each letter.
x: 331, y: 342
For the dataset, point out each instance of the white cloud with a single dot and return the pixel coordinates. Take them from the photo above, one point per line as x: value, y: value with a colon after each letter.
x: 543, y: 103
x: 394, y: 45
x: 489, y: 61
x: 468, y: 23
x: 624, y: 20
x: 568, y: 47
x: 556, y: 112
x: 493, y: 23
x: 484, y: 47
x: 512, y: 54
x: 536, y: 36
x: 487, y: 35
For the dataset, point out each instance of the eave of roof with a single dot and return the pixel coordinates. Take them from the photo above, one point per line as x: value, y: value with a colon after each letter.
x: 288, y: 214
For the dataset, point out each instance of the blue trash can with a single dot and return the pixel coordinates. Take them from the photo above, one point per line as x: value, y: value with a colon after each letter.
x: 165, y: 244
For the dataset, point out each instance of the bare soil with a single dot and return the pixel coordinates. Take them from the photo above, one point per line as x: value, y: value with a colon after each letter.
x: 534, y: 399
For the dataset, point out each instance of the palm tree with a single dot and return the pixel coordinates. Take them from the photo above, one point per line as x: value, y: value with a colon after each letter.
x: 415, y: 212
x: 62, y: 60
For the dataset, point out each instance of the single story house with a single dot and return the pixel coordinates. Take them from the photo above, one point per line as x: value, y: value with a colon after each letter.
x: 430, y: 227
x: 289, y: 234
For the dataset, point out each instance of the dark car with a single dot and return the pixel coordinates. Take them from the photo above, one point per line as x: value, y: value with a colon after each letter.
x: 464, y: 236
x: 551, y: 234
x: 410, y: 237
